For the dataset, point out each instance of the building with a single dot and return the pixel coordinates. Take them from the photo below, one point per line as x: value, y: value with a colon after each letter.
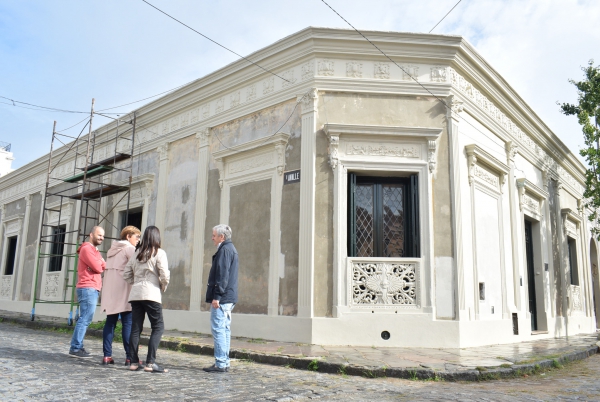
x: 6, y: 158
x: 368, y: 207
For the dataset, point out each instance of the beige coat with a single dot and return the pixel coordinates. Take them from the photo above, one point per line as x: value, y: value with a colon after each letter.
x: 115, y: 291
x: 148, y: 278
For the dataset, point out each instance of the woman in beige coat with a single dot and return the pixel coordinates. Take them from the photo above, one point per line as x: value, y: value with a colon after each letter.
x: 148, y: 272
x: 115, y: 292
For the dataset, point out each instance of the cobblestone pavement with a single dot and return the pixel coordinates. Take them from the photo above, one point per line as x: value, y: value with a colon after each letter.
x: 34, y: 365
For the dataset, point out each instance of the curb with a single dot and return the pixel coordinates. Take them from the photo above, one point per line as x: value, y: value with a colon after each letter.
x: 417, y: 373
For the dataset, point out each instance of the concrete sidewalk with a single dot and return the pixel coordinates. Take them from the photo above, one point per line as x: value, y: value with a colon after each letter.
x: 471, y: 364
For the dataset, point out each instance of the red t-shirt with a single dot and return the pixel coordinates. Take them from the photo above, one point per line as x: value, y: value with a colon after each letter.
x: 90, y: 266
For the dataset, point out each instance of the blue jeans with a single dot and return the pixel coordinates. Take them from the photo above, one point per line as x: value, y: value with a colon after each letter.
x: 88, y: 299
x: 109, y: 331
x: 220, y: 325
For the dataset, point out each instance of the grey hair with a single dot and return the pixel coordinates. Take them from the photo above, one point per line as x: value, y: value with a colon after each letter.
x: 224, y: 230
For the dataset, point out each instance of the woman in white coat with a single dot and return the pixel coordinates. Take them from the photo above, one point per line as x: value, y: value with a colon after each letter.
x: 148, y: 272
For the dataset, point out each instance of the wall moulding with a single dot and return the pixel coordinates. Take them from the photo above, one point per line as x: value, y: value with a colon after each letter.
x: 485, y: 168
x: 530, y: 197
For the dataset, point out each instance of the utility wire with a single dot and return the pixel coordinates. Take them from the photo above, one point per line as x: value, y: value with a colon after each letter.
x: 440, y: 21
x: 215, y: 42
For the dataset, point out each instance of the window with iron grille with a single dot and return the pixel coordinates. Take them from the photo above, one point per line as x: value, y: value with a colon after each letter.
x: 383, y: 216
x: 57, y: 248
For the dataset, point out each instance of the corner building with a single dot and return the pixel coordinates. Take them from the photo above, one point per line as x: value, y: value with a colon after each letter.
x: 444, y: 220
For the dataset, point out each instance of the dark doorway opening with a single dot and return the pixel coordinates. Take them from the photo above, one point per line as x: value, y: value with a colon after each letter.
x: 11, y: 255
x: 531, y: 276
x: 58, y: 247
x: 131, y: 218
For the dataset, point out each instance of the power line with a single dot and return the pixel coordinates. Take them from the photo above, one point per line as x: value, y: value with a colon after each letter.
x: 401, y: 68
x: 440, y: 21
x: 215, y: 42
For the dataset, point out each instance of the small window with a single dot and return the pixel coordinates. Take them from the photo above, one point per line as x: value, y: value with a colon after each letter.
x: 572, y: 245
x: 57, y: 248
x: 383, y: 217
x: 11, y: 255
x: 131, y: 218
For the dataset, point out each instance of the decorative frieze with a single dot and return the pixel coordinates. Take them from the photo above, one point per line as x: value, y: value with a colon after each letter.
x: 194, y: 116
x: 250, y: 163
x: 206, y: 111
x: 439, y: 74
x: 51, y: 285
x: 410, y: 73
x: 234, y: 99
x: 325, y: 68
x: 354, y: 69
x: 288, y: 78
x: 485, y: 176
x: 381, y: 71
x: 220, y: 105
x: 383, y: 284
x: 307, y: 70
x: 13, y: 226
x: 402, y: 151
x: 268, y: 85
x: 251, y: 93
x: 530, y: 203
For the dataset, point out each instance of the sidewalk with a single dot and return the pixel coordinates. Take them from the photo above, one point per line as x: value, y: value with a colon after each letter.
x: 470, y: 364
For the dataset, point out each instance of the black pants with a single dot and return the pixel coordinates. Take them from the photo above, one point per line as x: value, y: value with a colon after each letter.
x: 138, y: 313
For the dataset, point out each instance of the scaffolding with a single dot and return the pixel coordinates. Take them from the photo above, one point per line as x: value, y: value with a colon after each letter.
x: 94, y: 177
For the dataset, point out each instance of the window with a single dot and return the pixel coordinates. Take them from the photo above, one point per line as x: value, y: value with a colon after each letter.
x: 572, y: 245
x: 383, y: 216
x: 11, y: 255
x: 57, y: 247
x: 133, y: 217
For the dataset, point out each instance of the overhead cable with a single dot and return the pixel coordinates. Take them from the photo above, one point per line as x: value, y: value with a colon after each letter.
x: 440, y: 21
x: 215, y: 42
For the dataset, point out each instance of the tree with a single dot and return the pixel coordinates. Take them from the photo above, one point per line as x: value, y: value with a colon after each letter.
x: 587, y: 111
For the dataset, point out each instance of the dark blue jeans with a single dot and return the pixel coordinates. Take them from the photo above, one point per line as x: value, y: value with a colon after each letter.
x: 109, y: 332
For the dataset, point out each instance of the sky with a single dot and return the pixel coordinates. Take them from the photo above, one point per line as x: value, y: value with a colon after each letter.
x: 63, y: 53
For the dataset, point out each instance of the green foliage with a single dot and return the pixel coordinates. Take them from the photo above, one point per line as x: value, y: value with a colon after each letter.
x: 413, y: 375
x: 313, y: 365
x: 587, y: 111
x: 555, y: 363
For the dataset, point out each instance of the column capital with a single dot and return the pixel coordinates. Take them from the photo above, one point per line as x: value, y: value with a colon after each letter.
x: 455, y: 107
x: 309, y: 101
x: 163, y: 151
x: 203, y: 136
x: 511, y: 151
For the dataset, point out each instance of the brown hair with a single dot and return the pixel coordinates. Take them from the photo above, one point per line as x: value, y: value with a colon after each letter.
x: 129, y: 231
x: 149, y: 245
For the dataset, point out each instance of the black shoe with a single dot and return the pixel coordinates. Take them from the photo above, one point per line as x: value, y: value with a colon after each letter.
x: 81, y: 353
x: 215, y: 369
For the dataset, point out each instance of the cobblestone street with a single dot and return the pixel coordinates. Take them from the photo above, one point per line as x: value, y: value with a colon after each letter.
x: 35, y: 366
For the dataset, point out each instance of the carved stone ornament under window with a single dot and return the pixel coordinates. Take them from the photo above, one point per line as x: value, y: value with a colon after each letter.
x: 380, y: 283
x: 51, y: 285
x: 6, y: 287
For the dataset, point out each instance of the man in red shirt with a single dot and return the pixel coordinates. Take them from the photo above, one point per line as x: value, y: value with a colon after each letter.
x: 89, y: 283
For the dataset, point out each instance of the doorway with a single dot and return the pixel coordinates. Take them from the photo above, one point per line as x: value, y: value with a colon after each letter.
x: 133, y: 217
x: 531, y: 276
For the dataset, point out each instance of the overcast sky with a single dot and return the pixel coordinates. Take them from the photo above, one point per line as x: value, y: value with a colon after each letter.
x: 63, y: 53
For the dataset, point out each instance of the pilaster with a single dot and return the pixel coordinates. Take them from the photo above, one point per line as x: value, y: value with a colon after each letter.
x: 203, y: 137
x: 515, y: 221
x: 161, y: 197
x: 23, y: 245
x: 307, y: 204
x: 453, y: 121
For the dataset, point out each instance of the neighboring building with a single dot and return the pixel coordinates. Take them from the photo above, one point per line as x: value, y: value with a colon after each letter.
x: 430, y: 225
x: 6, y: 158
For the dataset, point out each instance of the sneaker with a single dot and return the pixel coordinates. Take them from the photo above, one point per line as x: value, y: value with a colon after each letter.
x: 81, y: 353
x: 155, y: 368
x: 215, y: 369
x: 108, y: 360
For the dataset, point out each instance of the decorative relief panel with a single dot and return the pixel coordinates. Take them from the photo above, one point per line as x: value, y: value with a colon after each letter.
x: 174, y: 123
x: 13, y: 226
x: 439, y: 74
x: 6, y: 287
x: 570, y: 227
x: 220, y: 105
x: 531, y: 204
x: 381, y: 71
x: 185, y: 119
x: 65, y: 212
x: 206, y: 111
x: 325, y: 67
x: 194, y: 116
x: 234, y: 99
x: 383, y: 284
x: 288, y: 78
x: 308, y: 70
x: 403, y: 151
x: 410, y: 73
x: 251, y: 93
x: 486, y: 176
x: 250, y: 163
x: 481, y: 100
x: 576, y: 303
x: 354, y: 69
x: 51, y: 284
x: 268, y: 85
